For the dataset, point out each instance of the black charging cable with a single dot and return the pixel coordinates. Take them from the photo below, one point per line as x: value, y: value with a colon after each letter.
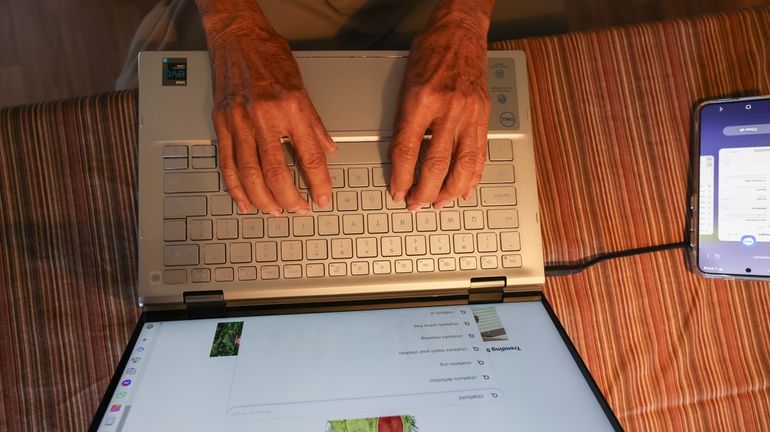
x: 578, y: 266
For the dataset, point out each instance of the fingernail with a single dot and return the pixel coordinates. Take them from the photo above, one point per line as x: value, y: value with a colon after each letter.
x: 440, y: 204
x: 397, y: 196
x: 323, y: 200
x: 243, y: 207
x: 467, y: 195
x: 413, y: 207
x: 302, y: 211
x: 275, y: 212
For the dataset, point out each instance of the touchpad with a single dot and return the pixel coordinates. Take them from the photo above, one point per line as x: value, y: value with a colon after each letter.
x: 354, y: 94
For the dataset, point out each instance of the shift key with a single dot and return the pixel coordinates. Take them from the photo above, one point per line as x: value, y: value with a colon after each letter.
x: 191, y: 182
x: 498, y: 196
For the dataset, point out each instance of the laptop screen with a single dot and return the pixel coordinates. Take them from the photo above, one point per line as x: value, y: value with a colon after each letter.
x: 479, y: 367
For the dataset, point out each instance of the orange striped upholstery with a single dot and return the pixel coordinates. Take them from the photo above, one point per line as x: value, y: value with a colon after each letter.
x: 611, y: 110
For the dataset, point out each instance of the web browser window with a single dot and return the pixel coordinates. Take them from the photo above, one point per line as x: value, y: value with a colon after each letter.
x: 479, y: 367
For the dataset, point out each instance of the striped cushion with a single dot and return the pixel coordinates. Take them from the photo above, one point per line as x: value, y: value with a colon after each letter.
x: 611, y: 111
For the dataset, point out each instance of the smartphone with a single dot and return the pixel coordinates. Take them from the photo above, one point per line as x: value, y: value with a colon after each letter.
x: 730, y: 199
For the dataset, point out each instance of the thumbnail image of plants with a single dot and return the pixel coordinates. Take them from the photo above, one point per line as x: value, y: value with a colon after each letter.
x: 227, y: 339
x: 404, y: 423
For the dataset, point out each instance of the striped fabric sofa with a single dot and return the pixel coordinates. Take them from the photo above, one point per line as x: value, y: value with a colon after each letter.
x: 611, y: 113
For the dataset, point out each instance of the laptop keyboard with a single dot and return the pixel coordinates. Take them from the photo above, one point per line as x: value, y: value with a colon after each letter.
x: 362, y: 232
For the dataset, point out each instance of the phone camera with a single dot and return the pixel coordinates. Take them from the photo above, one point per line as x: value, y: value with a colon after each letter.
x: 748, y: 270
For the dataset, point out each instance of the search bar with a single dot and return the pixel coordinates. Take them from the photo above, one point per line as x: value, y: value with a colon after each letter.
x: 757, y: 129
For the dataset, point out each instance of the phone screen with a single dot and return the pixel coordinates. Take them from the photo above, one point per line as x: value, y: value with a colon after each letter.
x: 734, y: 188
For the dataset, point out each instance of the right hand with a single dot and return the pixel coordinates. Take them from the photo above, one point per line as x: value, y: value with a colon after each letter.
x: 259, y: 98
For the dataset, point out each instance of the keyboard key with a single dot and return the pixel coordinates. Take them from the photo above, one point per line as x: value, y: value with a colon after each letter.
x: 500, y: 149
x: 353, y: 224
x: 252, y: 228
x: 338, y: 269
x: 446, y: 264
x: 175, y: 276
x: 179, y: 255
x: 474, y: 219
x: 315, y: 270
x: 377, y: 223
x: 347, y: 200
x: 391, y: 246
x: 303, y: 226
x: 316, y: 249
x: 463, y: 243
x: 292, y: 271
x: 472, y: 201
x: 278, y: 227
x: 425, y: 265
x: 497, y: 219
x: 381, y: 267
x: 509, y: 241
x: 247, y: 273
x: 426, y: 221
x: 511, y: 261
x: 204, y: 151
x: 489, y: 262
x: 200, y: 275
x: 381, y: 176
x: 214, y: 253
x: 223, y: 274
x: 450, y: 221
x: 487, y: 242
x: 337, y: 175
x: 221, y: 205
x: 498, y: 196
x: 404, y: 266
x: 269, y: 272
x: 358, y: 177
x: 227, y: 229
x: 175, y: 163
x: 359, y: 268
x: 174, y: 230
x: 497, y: 173
x: 415, y: 245
x: 328, y: 225
x: 366, y: 247
x: 371, y: 200
x: 392, y: 205
x: 175, y: 151
x: 191, y: 182
x: 240, y: 253
x: 179, y: 207
x: 342, y: 248
x: 468, y: 263
x: 204, y: 163
x: 402, y: 222
x: 266, y: 251
x: 439, y: 244
x: 291, y: 250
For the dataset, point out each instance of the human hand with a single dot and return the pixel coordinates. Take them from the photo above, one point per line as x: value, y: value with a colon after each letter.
x: 444, y: 89
x: 259, y: 98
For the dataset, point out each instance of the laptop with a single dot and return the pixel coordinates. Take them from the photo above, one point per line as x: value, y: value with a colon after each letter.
x: 361, y: 316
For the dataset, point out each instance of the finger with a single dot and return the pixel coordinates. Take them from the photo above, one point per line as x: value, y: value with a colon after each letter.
x: 313, y: 162
x: 480, y: 162
x: 469, y: 151
x: 327, y: 143
x: 277, y: 176
x: 227, y: 162
x: 247, y: 160
x: 411, y: 122
x: 435, y: 166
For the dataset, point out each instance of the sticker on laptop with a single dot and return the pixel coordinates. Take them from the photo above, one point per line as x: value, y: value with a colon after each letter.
x: 402, y: 423
x: 174, y: 71
x: 227, y: 339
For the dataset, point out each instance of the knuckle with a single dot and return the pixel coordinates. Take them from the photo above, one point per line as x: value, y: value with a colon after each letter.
x: 404, y: 153
x: 436, y: 165
x: 276, y: 175
x: 312, y: 160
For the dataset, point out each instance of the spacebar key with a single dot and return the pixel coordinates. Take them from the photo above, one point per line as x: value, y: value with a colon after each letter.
x: 191, y: 182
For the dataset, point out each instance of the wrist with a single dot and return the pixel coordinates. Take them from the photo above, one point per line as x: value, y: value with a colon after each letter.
x: 472, y: 13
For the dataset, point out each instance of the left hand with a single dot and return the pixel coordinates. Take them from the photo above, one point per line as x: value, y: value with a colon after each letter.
x: 445, y: 89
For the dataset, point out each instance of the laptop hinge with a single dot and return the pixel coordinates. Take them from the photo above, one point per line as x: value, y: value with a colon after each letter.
x: 486, y: 290
x: 205, y: 304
